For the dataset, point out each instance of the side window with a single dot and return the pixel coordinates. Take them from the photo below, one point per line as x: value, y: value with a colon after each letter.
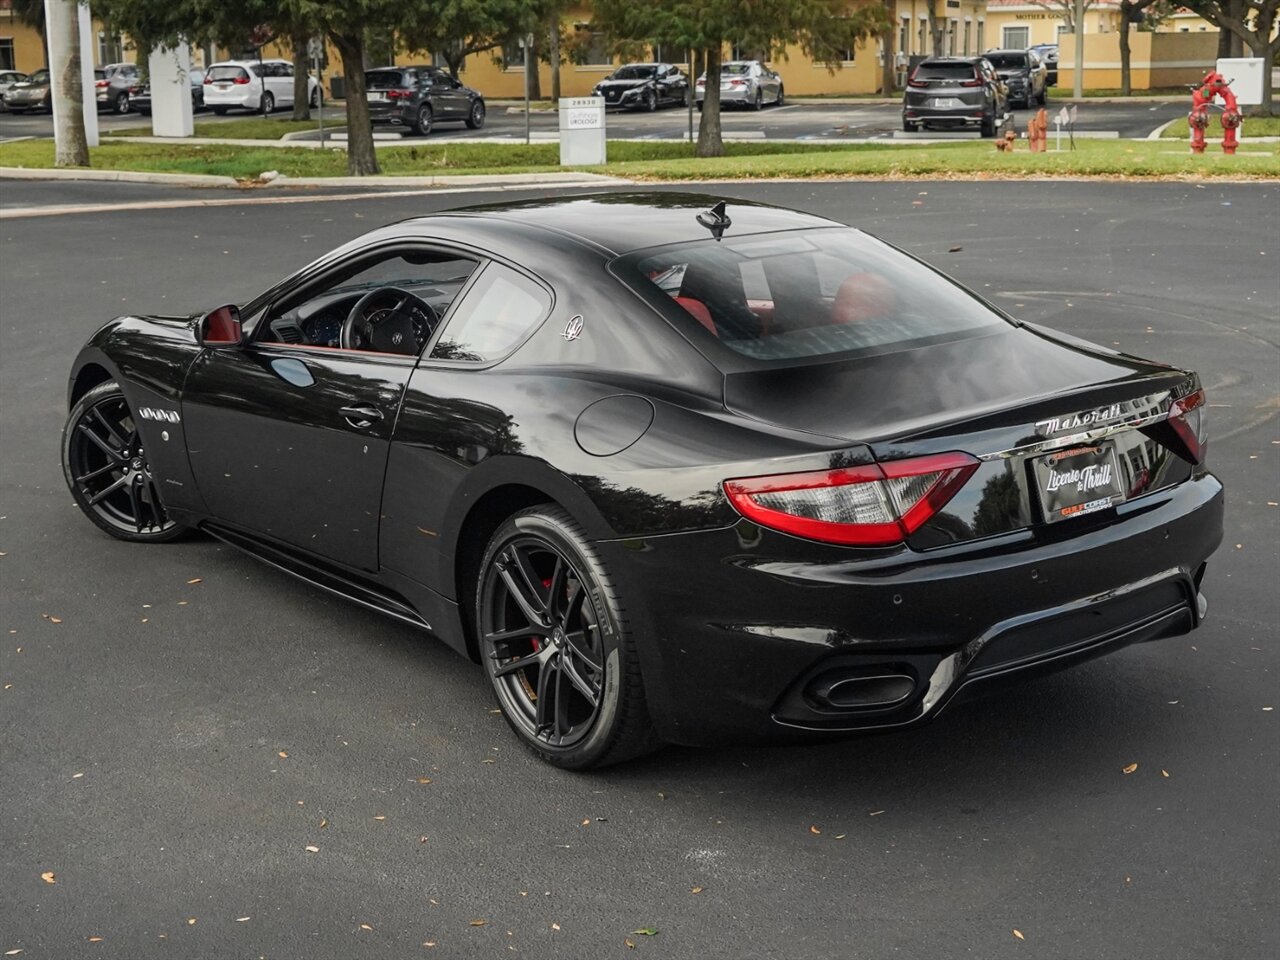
x: 259, y: 69
x: 496, y: 314
x: 286, y: 69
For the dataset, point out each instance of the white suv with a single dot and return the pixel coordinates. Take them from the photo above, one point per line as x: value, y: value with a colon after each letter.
x: 255, y: 85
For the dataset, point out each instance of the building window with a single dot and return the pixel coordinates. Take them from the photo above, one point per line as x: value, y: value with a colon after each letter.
x: 904, y: 36
x: 967, y: 26
x: 982, y: 35
x: 6, y: 54
x: 1016, y: 38
x: 921, y: 36
x: 513, y: 54
x: 595, y: 52
x: 110, y: 49
x: 952, y: 30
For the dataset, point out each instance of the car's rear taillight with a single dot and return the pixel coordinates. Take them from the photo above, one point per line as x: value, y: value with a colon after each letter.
x: 975, y: 82
x: 208, y: 80
x: 243, y: 78
x: 1186, y: 416
x: 912, y: 81
x: 872, y: 505
x: 99, y: 84
x: 399, y: 94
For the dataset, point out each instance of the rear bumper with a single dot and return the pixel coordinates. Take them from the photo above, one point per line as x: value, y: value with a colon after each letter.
x: 245, y: 97
x: 387, y: 113
x: 737, y: 96
x: 742, y: 632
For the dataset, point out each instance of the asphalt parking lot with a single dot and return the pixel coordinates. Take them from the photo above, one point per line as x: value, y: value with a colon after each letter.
x: 805, y: 121
x: 180, y: 724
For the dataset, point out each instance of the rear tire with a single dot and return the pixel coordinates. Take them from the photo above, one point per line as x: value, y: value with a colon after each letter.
x: 910, y: 127
x: 120, y: 104
x: 475, y: 119
x: 422, y: 122
x: 570, y: 688
x: 782, y: 96
x: 315, y: 98
x: 988, y: 128
x: 220, y: 111
x: 758, y: 103
x: 107, y: 470
x: 267, y: 104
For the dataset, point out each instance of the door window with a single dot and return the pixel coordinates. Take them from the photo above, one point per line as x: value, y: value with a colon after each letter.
x: 405, y: 292
x: 497, y: 314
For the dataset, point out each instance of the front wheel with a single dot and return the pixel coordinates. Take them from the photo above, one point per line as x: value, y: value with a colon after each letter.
x: 268, y: 103
x: 554, y: 636
x: 422, y: 122
x: 108, y: 472
x: 121, y: 104
x: 475, y: 119
x: 314, y: 101
x: 758, y: 103
x: 781, y: 95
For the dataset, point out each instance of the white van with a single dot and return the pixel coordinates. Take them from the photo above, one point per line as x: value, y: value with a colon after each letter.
x: 257, y: 85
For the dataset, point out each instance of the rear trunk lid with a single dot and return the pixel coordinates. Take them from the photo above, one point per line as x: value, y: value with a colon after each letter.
x: 1058, y: 426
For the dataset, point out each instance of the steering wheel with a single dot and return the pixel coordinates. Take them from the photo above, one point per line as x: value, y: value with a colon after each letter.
x: 383, y: 320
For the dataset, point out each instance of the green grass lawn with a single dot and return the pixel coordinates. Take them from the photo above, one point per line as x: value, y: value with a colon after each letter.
x: 244, y: 128
x: 1253, y: 127
x: 675, y: 161
x: 1066, y: 93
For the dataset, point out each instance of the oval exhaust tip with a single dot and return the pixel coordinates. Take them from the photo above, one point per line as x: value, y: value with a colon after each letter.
x: 863, y: 692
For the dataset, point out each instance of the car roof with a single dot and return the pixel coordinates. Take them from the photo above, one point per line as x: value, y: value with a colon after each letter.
x: 619, y: 223
x: 1008, y: 50
x: 247, y: 63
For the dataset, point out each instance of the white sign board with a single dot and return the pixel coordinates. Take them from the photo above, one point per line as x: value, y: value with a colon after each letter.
x: 588, y: 118
x: 1245, y: 76
x: 582, y: 132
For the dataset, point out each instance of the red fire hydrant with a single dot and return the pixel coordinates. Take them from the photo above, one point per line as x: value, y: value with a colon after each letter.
x: 1213, y: 85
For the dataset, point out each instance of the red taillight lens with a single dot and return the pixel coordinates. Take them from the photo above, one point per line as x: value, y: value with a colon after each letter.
x: 208, y: 80
x: 399, y: 94
x: 243, y: 78
x: 912, y: 81
x: 873, y: 505
x: 1186, y: 416
x: 101, y: 83
x: 975, y: 82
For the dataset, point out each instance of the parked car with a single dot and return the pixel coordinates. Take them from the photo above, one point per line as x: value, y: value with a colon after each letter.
x: 113, y: 85
x: 417, y: 98
x: 1048, y: 52
x: 7, y: 79
x: 1023, y: 73
x: 614, y: 461
x: 644, y: 86
x: 140, y: 96
x: 954, y: 92
x: 30, y: 94
x: 747, y: 83
x: 255, y: 85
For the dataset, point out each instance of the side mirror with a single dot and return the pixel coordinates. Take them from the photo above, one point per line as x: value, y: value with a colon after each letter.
x: 221, y: 327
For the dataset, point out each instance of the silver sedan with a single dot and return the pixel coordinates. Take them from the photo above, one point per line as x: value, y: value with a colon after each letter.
x: 748, y: 83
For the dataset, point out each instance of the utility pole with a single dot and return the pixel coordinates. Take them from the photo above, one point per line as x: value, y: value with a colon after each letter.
x: 74, y: 128
x: 1078, y: 22
x: 528, y: 57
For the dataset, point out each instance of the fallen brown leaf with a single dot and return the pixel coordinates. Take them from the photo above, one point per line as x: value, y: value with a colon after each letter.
x: 194, y: 580
x: 555, y: 926
x: 379, y: 818
x: 429, y: 944
x: 696, y: 890
x: 282, y: 755
x: 48, y: 877
x: 95, y: 939
x: 586, y: 823
x: 1130, y: 768
x: 631, y: 944
x: 313, y: 849
x: 1164, y: 773
x: 55, y: 619
x: 424, y: 780
x: 365, y: 926
x: 955, y: 249
x: 814, y: 830
x: 1018, y: 933
x: 191, y: 921
x: 478, y: 923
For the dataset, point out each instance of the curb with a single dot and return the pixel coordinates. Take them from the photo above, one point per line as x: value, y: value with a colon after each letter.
x: 465, y: 181
x: 118, y: 176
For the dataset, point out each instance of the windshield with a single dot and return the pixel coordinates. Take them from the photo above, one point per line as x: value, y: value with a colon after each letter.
x: 798, y: 294
x: 735, y: 69
x: 40, y: 76
x: 1007, y: 61
x: 636, y: 71
x: 945, y: 71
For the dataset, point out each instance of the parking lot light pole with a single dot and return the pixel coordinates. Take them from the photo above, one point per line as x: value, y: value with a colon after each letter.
x: 1078, y: 18
x: 693, y: 84
x: 528, y: 49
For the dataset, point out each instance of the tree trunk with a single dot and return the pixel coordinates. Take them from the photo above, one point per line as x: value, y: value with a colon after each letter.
x: 301, y: 91
x: 554, y: 51
x: 888, y: 70
x: 362, y: 160
x: 1235, y: 46
x: 710, y: 141
x: 1125, y: 52
x: 455, y: 57
x: 935, y: 31
x: 67, y: 87
x: 535, y: 74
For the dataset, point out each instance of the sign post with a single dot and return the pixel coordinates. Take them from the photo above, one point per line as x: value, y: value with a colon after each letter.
x: 582, y: 133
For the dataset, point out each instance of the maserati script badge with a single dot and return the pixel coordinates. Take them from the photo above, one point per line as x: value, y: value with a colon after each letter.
x: 573, y: 329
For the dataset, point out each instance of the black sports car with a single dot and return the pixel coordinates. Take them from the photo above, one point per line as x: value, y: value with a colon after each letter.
x: 671, y: 469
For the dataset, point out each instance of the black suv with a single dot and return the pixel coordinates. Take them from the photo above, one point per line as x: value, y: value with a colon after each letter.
x: 954, y: 92
x: 420, y: 97
x: 1023, y: 73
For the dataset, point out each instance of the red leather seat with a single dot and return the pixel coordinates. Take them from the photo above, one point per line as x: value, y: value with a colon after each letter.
x: 863, y: 296
x: 698, y: 310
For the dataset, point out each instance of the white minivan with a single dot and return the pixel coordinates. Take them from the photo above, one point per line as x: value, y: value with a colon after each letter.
x: 257, y: 85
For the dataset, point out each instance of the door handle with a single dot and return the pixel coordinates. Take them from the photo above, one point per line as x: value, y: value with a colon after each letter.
x: 361, y: 416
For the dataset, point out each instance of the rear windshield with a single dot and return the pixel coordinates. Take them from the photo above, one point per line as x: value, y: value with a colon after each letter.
x: 735, y: 69
x: 386, y: 79
x: 945, y: 71
x: 1007, y: 61
x: 635, y: 72
x: 791, y: 295
x: 40, y: 76
x: 227, y: 73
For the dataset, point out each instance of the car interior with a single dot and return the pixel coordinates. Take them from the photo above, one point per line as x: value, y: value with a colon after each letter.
x: 389, y: 306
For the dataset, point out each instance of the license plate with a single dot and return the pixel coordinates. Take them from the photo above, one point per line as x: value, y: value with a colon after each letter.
x: 1078, y: 481
x: 945, y: 103
x: 376, y: 97
x: 223, y: 86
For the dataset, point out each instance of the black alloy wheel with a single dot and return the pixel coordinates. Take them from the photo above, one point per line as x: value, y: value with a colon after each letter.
x: 268, y: 103
x: 422, y: 122
x: 475, y: 119
x: 108, y: 472
x: 121, y: 104
x: 555, y: 642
